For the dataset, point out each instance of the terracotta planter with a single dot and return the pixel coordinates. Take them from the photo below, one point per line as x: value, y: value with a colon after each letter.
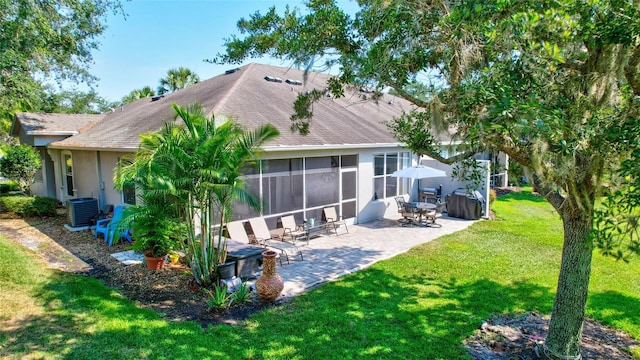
x: 269, y: 285
x: 155, y: 263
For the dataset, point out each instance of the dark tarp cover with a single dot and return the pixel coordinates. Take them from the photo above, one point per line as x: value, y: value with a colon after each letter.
x: 463, y: 205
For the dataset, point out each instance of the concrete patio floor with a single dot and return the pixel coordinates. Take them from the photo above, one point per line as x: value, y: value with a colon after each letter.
x: 328, y: 257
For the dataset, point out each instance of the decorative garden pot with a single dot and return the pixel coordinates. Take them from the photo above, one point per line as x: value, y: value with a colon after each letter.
x: 155, y: 263
x: 269, y: 285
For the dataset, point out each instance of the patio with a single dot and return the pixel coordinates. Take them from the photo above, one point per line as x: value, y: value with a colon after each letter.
x: 328, y: 257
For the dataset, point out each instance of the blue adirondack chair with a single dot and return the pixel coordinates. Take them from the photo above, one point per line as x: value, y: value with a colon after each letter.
x: 107, y: 227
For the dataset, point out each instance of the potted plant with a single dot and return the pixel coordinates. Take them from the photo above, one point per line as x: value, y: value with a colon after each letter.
x: 155, y: 234
x: 174, y: 257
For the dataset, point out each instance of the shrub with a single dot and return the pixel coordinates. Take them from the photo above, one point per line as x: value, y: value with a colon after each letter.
x: 242, y: 294
x: 14, y: 203
x: 492, y: 196
x: 218, y: 298
x: 41, y: 206
x: 9, y: 185
x: 28, y: 206
x: 20, y: 163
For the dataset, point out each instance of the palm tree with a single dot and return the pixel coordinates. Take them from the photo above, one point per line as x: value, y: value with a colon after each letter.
x: 198, y: 163
x: 136, y: 94
x: 177, y: 79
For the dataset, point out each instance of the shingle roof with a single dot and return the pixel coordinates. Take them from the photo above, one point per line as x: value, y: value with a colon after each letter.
x: 251, y: 100
x: 54, y: 124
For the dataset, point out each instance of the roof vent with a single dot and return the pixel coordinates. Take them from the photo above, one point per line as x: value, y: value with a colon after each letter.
x: 157, y: 97
x: 273, y: 79
x: 293, y: 82
x: 231, y: 71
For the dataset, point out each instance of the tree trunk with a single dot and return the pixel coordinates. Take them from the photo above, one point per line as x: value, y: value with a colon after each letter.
x: 567, y: 317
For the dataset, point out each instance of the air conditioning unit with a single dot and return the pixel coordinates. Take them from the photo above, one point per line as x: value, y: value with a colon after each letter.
x: 81, y: 211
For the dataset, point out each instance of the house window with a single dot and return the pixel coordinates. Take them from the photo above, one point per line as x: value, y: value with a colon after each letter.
x: 68, y: 173
x: 385, y: 185
x: 444, y: 152
x: 128, y: 193
x: 449, y: 151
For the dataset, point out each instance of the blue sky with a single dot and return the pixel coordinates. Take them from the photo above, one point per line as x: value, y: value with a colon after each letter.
x: 158, y: 35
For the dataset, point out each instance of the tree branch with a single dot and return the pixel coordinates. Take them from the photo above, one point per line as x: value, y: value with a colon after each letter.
x: 453, y: 159
x: 552, y: 195
x: 414, y: 100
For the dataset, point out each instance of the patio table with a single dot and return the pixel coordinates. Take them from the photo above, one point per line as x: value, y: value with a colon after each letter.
x: 424, y: 205
x: 424, y: 208
x: 315, y: 229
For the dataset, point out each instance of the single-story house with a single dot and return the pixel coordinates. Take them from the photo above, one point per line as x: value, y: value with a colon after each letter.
x: 346, y: 161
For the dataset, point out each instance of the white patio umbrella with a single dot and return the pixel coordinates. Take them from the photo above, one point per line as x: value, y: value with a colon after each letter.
x: 419, y: 172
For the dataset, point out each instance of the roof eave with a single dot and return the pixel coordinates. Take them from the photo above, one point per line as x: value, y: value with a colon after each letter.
x: 272, y: 148
x: 51, y: 133
x: 278, y: 148
x: 92, y: 148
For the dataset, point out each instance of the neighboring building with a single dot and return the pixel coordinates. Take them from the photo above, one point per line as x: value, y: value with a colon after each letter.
x: 346, y: 160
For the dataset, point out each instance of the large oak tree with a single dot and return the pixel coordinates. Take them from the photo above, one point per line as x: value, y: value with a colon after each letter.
x: 555, y: 84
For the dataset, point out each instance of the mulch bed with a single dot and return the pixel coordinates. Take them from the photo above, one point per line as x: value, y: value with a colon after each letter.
x: 172, y: 293
x: 521, y: 337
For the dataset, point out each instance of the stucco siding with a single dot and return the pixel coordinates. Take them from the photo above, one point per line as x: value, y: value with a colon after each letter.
x: 109, y: 161
x: 85, y: 175
x: 44, y: 184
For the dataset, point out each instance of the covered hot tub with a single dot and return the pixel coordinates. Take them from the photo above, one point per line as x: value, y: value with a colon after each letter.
x: 248, y: 258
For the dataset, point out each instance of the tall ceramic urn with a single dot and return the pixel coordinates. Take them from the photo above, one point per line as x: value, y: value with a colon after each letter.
x: 269, y: 285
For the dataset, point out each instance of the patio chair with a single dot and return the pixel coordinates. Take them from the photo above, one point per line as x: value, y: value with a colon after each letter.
x: 333, y: 220
x: 109, y: 226
x: 236, y: 231
x: 400, y: 203
x: 265, y: 238
x: 292, y: 230
x: 411, y: 214
x: 433, y: 215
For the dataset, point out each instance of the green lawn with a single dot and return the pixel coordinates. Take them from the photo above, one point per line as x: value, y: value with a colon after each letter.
x: 419, y: 305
